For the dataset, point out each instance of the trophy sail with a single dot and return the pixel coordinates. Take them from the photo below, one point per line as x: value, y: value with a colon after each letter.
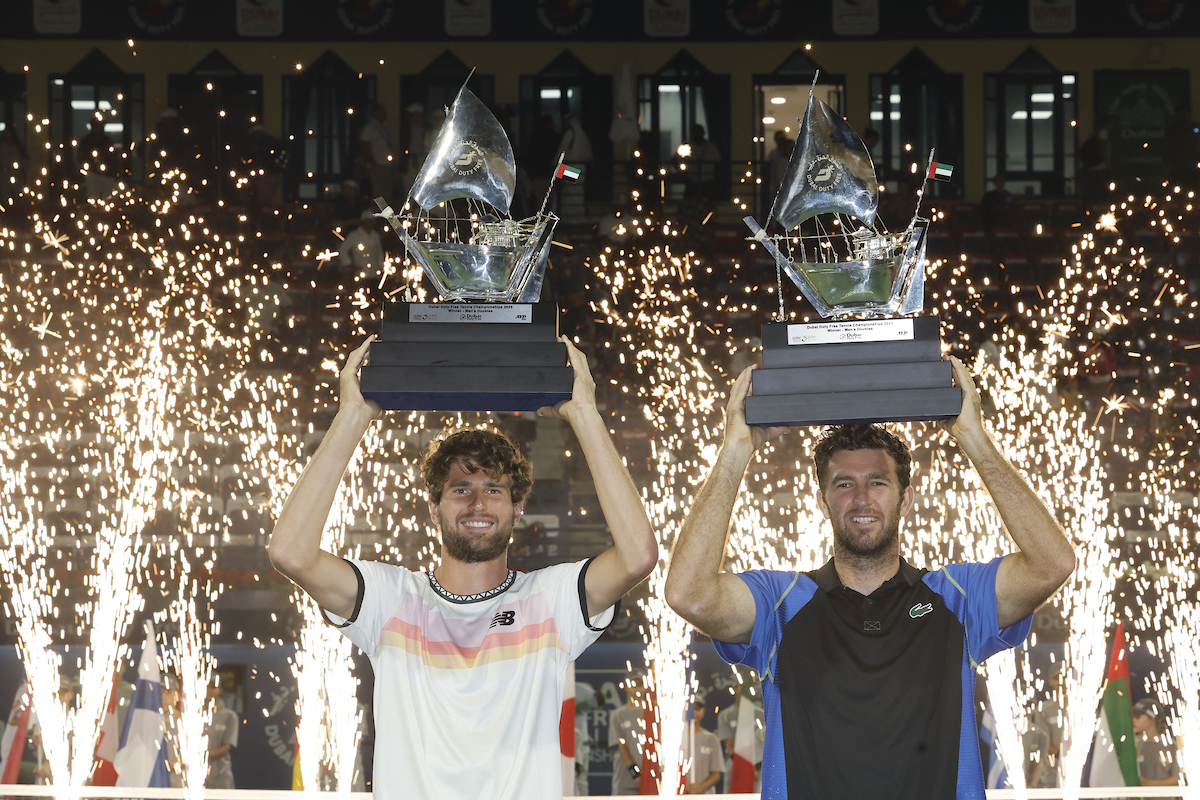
x: 472, y: 157
x: 830, y: 171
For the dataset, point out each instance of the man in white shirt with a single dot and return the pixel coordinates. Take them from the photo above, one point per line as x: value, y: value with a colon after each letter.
x: 377, y: 156
x: 221, y: 733
x: 702, y: 755
x: 470, y: 659
x: 626, y: 734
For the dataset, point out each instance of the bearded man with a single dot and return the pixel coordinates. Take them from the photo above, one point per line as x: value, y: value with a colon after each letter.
x: 470, y: 658
x: 868, y: 663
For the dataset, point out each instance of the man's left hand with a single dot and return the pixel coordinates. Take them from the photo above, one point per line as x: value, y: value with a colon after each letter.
x: 970, y: 420
x: 583, y: 393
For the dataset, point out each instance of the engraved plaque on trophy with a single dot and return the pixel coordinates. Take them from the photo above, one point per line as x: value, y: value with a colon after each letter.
x: 870, y: 360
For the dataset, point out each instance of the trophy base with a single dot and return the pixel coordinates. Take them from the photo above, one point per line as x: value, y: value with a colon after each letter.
x: 852, y: 372
x: 468, y: 357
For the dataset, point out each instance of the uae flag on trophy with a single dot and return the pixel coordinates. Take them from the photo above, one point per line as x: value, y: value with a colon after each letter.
x: 1114, y: 753
x: 568, y: 173
x: 939, y: 171
x: 745, y: 751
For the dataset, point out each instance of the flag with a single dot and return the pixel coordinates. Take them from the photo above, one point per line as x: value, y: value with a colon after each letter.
x: 104, y: 773
x: 650, y: 769
x: 12, y: 744
x: 1114, y: 748
x: 741, y: 776
x: 568, y: 173
x: 939, y: 171
x: 566, y: 733
x: 297, y: 775
x: 997, y: 774
x: 141, y: 758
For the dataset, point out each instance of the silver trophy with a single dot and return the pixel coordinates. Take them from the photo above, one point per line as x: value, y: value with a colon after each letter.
x: 869, y: 362
x: 487, y: 344
x: 485, y: 255
x: 844, y: 262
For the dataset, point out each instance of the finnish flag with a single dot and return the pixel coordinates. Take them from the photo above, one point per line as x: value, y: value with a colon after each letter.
x: 141, y: 758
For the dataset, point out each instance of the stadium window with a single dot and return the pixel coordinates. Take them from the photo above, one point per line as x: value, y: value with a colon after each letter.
x: 1029, y: 115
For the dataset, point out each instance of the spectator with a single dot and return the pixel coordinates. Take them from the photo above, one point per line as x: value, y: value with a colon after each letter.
x: 171, y: 149
x: 414, y: 143
x: 1157, y: 763
x: 13, y: 163
x: 870, y: 140
x: 1179, y: 148
x: 1095, y: 173
x: 363, y: 248
x: 704, y: 751
x: 231, y: 685
x: 98, y: 161
x: 377, y: 155
x: 222, y: 735
x: 576, y: 150
x: 702, y: 159
x: 67, y: 689
x: 348, y: 206
x: 1047, y: 724
x: 616, y: 227
x: 541, y: 157
x: 170, y: 707
x: 266, y: 159
x: 998, y: 208
x: 777, y: 160
x: 626, y: 732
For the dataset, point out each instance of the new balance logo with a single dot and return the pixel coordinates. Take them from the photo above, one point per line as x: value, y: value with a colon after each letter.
x: 503, y: 618
x: 920, y: 610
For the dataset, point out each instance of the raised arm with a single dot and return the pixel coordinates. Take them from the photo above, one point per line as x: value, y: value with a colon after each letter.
x: 716, y: 602
x: 295, y: 547
x: 634, y: 553
x: 1045, y: 558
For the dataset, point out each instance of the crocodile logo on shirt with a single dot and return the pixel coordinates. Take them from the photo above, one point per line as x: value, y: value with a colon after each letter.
x: 920, y: 610
x: 503, y: 618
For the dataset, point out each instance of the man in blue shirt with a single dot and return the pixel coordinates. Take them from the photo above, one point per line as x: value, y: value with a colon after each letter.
x: 868, y: 664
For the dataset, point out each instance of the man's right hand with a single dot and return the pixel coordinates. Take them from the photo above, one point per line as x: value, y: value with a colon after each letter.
x: 350, y: 399
x: 737, y: 431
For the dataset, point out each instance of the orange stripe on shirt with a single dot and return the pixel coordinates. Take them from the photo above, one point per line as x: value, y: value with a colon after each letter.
x: 447, y: 655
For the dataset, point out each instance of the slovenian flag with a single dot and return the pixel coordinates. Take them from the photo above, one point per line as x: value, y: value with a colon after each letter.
x: 568, y: 173
x: 1114, y: 757
x: 141, y: 758
x: 939, y: 171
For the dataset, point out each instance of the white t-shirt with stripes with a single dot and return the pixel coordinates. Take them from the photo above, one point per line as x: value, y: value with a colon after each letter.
x: 469, y: 689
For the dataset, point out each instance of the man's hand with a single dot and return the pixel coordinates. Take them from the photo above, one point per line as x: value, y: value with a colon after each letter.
x: 736, y: 429
x: 583, y: 392
x: 969, y: 421
x: 350, y: 399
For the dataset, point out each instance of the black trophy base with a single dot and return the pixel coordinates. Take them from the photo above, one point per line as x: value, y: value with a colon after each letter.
x: 844, y: 382
x: 463, y: 364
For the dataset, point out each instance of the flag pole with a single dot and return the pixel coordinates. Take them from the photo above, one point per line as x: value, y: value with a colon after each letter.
x: 924, y: 182
x: 550, y: 188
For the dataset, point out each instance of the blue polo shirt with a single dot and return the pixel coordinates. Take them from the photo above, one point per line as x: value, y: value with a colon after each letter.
x: 872, y: 697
